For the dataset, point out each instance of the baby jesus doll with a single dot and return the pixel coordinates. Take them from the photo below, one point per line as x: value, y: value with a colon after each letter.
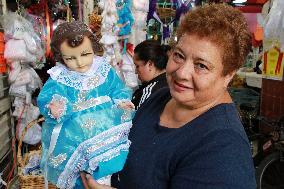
x: 87, y: 111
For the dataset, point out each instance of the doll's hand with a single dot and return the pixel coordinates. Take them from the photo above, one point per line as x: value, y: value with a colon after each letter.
x: 128, y: 105
x: 56, y: 108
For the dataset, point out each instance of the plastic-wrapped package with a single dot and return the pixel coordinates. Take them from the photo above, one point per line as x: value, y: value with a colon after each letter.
x: 17, y: 28
x: 16, y: 50
x: 15, y: 69
x: 33, y: 135
x: 109, y: 31
x: 18, y: 105
x: 27, y: 81
x: 23, y: 50
x: 274, y: 23
x: 128, y: 71
x: 140, y: 10
x: 282, y: 31
x: 35, y: 82
x: 125, y: 18
x: 39, y: 27
x: 23, y: 78
x: 33, y: 166
x: 19, y: 91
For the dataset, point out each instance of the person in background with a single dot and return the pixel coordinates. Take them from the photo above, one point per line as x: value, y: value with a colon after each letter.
x: 189, y: 136
x: 150, y: 59
x: 167, y: 49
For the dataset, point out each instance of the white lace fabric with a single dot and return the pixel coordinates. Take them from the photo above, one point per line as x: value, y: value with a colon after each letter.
x: 94, y: 77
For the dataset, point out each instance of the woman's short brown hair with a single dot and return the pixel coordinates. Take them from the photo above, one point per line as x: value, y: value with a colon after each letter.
x: 224, y: 26
x: 74, y: 32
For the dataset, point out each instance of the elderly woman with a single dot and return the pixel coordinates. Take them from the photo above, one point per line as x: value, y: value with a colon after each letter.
x: 150, y: 59
x: 190, y: 136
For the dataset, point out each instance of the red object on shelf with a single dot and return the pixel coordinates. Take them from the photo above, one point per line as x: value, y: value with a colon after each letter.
x: 1, y: 37
x: 3, y: 65
x: 257, y: 1
x: 252, y: 6
x: 2, y: 43
x: 259, y: 33
x: 250, y: 9
x: 2, y: 47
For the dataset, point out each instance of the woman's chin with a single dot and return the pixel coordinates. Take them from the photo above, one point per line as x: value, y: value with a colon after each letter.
x: 182, y: 95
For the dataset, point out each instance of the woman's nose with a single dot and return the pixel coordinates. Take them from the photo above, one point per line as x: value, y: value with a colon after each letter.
x: 185, y: 71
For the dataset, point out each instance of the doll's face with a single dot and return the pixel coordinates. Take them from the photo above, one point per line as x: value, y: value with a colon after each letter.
x: 80, y: 58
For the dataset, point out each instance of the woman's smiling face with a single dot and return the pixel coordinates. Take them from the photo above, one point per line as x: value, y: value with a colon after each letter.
x: 194, y: 72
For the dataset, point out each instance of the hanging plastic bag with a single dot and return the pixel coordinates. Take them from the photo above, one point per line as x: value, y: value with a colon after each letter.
x: 274, y: 23
x: 18, y: 91
x: 16, y: 50
x: 128, y: 71
x: 17, y: 27
x: 33, y: 134
x: 19, y: 108
x: 15, y: 69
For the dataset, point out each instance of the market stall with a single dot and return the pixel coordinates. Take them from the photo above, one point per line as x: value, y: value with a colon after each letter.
x: 25, y: 56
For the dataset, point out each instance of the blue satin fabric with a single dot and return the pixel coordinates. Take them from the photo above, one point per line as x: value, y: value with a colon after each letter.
x: 125, y: 16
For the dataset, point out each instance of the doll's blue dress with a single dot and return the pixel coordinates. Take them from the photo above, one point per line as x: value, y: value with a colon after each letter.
x: 91, y: 133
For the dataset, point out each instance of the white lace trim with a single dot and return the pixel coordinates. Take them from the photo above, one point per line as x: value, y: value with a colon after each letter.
x: 106, y: 145
x: 92, y: 102
x: 55, y: 161
x: 82, y: 81
x: 108, y: 155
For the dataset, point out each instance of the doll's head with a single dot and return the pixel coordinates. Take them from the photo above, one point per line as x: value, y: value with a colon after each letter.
x: 78, y: 58
x: 73, y: 35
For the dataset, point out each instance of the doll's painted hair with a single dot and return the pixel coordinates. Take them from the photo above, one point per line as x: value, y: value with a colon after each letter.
x: 74, y: 32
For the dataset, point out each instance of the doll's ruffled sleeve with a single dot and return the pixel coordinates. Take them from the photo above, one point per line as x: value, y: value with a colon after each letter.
x: 53, y: 91
x: 119, y: 92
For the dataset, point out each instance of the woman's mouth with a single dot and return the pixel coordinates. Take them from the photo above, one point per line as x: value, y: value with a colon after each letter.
x: 179, y: 87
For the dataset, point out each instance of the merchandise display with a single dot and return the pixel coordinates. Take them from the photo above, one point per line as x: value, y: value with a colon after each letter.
x: 23, y: 52
x: 27, y: 27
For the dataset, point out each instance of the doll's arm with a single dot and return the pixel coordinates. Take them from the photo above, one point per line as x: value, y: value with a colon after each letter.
x: 119, y: 92
x: 53, y: 102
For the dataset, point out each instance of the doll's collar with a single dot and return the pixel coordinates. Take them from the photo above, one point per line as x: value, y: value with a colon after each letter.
x: 81, y: 81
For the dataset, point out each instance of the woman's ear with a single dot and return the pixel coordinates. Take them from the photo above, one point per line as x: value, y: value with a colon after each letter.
x: 150, y: 65
x: 228, y: 78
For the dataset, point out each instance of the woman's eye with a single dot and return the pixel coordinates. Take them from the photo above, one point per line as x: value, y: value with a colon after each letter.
x: 178, y: 57
x: 201, y: 66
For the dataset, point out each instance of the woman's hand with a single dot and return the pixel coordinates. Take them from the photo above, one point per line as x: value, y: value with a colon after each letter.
x: 90, y: 183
